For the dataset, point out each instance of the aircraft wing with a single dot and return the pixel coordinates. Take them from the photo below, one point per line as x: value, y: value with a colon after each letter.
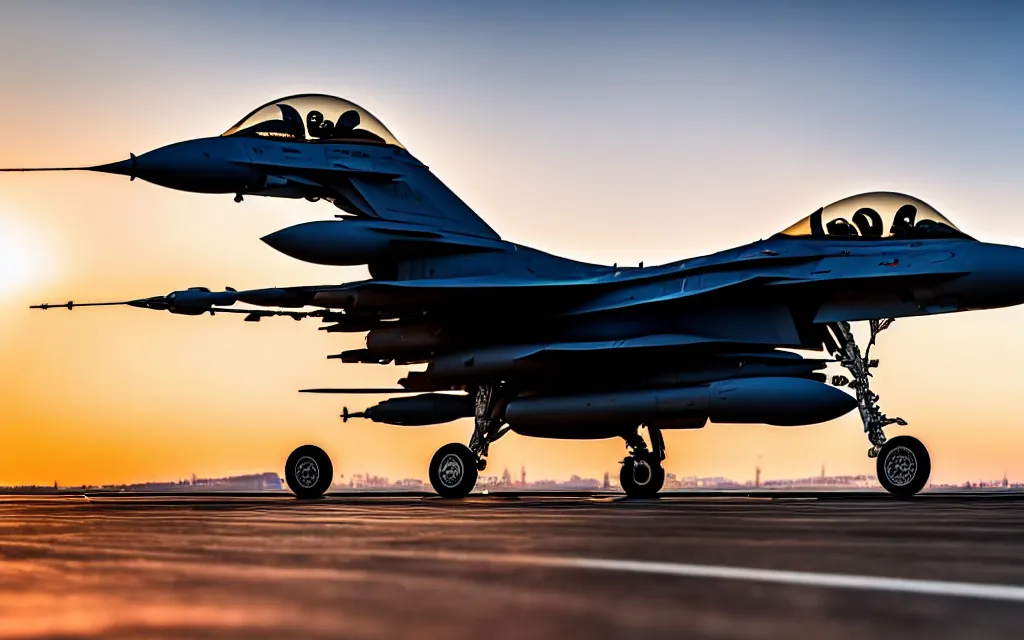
x: 377, y: 188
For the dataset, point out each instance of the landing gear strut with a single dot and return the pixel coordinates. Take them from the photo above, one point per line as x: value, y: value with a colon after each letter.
x: 454, y: 468
x: 642, y: 475
x: 903, y: 464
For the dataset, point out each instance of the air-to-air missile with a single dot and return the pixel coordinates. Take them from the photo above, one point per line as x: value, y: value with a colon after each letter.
x: 417, y: 411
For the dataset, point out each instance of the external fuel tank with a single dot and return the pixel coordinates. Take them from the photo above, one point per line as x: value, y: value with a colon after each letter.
x: 771, y: 400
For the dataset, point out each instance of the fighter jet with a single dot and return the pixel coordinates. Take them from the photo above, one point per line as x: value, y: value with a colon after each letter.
x: 520, y: 340
x: 308, y: 146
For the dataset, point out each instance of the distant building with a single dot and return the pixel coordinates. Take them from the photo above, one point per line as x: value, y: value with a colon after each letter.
x: 269, y: 481
x: 409, y: 483
x: 578, y: 483
x: 368, y: 481
x: 672, y: 482
x: 839, y: 482
x: 488, y: 482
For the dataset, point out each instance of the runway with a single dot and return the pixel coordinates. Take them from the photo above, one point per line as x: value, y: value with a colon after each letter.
x: 701, y: 565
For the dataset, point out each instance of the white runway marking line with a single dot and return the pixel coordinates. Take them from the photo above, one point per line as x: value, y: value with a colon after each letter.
x: 981, y: 591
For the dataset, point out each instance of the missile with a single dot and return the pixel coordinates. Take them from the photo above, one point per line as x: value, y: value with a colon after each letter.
x: 273, y: 297
x: 487, y: 362
x: 371, y: 300
x: 407, y: 339
x: 351, y: 323
x: 417, y: 411
x: 770, y: 400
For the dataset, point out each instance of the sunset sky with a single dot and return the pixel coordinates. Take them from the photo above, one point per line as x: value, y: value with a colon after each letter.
x: 607, y: 132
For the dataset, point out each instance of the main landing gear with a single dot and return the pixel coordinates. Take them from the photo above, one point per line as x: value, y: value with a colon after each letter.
x: 455, y: 467
x: 902, y: 464
x: 642, y: 475
x: 308, y: 472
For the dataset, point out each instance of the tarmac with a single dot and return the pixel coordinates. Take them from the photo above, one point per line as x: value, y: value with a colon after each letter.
x: 698, y: 565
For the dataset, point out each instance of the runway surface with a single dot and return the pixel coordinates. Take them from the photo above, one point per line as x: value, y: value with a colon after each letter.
x: 512, y: 566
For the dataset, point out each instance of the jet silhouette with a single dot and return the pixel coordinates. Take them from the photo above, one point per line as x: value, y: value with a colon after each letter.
x: 521, y: 340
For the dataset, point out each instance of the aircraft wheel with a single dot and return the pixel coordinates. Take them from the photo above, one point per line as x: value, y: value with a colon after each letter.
x: 641, y: 477
x: 453, y: 471
x: 309, y: 472
x: 903, y: 466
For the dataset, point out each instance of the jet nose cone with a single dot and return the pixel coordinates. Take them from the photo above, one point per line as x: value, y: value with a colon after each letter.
x: 122, y: 168
x: 206, y: 165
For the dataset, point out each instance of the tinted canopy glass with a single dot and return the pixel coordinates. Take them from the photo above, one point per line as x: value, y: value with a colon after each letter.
x: 316, y: 118
x: 875, y: 216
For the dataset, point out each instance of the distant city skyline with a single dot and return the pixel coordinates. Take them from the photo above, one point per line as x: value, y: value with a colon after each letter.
x: 365, y: 481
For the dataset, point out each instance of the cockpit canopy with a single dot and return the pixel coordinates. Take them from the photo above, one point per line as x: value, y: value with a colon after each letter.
x: 874, y: 216
x: 315, y: 118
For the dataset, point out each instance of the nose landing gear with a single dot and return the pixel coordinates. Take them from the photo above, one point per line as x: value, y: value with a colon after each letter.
x: 642, y: 475
x: 902, y: 464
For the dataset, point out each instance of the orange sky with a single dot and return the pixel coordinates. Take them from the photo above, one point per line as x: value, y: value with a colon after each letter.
x: 124, y: 395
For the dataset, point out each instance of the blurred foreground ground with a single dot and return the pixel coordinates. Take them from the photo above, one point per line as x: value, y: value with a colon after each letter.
x: 499, y: 566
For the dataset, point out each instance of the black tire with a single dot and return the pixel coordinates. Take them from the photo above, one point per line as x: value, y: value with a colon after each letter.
x: 641, y: 477
x: 453, y: 471
x: 309, y: 472
x: 903, y: 466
